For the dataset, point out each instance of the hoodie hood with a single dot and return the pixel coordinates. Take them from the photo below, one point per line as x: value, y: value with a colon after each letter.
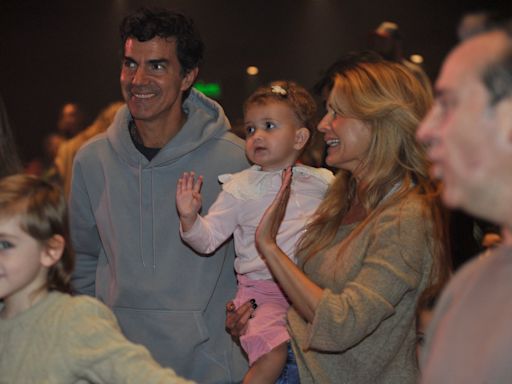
x: 205, y: 120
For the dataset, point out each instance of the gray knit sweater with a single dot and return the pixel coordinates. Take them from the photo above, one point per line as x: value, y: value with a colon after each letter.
x: 364, y: 326
x: 64, y: 339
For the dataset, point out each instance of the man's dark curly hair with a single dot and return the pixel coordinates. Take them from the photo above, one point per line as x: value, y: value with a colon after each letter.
x: 147, y: 23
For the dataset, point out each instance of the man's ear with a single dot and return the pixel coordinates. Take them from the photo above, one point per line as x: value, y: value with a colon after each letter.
x: 189, y: 78
x: 502, y: 123
x: 505, y: 118
x: 52, y: 251
x: 301, y: 138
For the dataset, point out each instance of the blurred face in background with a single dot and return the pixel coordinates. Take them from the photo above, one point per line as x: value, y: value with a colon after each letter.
x: 71, y: 120
x: 467, y: 136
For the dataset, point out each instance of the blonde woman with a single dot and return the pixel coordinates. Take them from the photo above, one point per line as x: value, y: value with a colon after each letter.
x: 375, y: 243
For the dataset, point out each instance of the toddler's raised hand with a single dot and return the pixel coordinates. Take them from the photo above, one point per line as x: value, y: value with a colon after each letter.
x: 188, y: 199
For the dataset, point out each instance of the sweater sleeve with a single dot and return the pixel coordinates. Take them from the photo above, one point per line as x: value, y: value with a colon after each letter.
x: 98, y: 352
x: 210, y: 231
x: 84, y: 235
x: 392, y: 266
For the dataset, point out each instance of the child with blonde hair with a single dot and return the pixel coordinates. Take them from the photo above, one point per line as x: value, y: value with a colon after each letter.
x: 278, y: 121
x: 46, y: 335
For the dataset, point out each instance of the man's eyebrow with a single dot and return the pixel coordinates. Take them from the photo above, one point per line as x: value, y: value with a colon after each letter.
x: 158, y: 61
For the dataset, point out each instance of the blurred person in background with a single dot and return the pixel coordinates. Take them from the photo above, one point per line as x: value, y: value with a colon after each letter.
x: 469, y: 136
x: 9, y: 161
x: 67, y: 151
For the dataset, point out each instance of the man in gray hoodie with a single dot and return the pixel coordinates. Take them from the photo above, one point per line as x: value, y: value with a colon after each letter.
x: 124, y: 224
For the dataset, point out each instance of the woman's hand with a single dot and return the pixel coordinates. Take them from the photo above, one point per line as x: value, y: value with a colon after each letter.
x: 302, y: 292
x: 237, y: 319
x: 268, y: 227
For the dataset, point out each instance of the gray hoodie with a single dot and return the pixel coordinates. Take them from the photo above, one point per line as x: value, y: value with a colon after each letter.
x: 124, y: 228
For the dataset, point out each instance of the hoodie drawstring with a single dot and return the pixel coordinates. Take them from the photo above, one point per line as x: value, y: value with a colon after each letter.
x: 141, y: 220
x: 153, y: 222
x: 140, y: 216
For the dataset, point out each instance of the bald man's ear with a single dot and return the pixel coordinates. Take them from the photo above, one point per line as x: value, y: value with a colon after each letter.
x: 504, y: 119
x: 508, y: 120
x: 301, y: 138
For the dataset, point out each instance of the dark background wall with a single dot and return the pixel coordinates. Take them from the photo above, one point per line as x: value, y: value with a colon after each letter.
x: 60, y: 50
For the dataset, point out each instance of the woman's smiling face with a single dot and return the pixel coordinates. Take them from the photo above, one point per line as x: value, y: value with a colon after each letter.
x: 347, y: 140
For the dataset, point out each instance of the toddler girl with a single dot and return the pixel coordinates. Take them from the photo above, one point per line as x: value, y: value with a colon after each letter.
x: 46, y: 335
x: 278, y: 121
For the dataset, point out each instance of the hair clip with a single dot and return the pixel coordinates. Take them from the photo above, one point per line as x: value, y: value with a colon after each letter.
x: 278, y: 90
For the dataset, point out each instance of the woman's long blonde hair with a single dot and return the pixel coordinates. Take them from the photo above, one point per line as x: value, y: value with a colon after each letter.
x: 390, y: 100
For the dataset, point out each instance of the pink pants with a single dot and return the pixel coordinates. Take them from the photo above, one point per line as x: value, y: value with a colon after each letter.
x: 267, y: 329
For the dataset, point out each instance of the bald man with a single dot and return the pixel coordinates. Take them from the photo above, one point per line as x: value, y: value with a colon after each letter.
x: 469, y: 135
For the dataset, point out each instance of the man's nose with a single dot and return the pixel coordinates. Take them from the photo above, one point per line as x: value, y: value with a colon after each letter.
x: 140, y: 76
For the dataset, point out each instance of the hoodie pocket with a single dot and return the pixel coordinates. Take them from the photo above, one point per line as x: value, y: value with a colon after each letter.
x: 172, y: 337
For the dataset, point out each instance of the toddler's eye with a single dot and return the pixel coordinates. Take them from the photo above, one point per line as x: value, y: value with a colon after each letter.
x: 249, y: 130
x: 420, y: 338
x: 269, y: 125
x: 4, y: 244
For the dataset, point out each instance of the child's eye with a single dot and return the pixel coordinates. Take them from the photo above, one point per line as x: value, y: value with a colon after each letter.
x: 4, y: 244
x: 420, y: 338
x: 249, y: 130
x: 269, y: 125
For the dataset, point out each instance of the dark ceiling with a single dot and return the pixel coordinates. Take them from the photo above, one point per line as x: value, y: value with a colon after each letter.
x: 55, y: 51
